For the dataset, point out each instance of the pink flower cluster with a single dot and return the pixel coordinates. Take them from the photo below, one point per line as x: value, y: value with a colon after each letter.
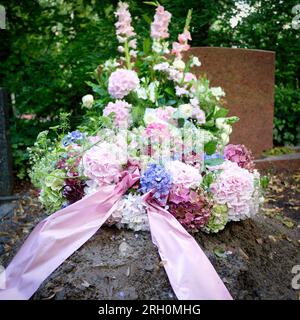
x: 157, y: 130
x: 240, y: 154
x: 159, y: 27
x: 121, y: 82
x: 234, y: 187
x: 182, y: 45
x: 184, y: 177
x: 102, y: 163
x: 166, y: 114
x: 123, y: 25
x: 192, y: 213
x: 121, y: 110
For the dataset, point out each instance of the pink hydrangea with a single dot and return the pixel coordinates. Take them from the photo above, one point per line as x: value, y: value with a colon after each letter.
x: 192, y: 213
x: 123, y: 25
x: 121, y: 82
x: 157, y: 130
x: 103, y: 163
x: 240, y: 154
x: 166, y: 114
x: 159, y: 27
x: 234, y: 187
x: 121, y: 111
x: 184, y: 177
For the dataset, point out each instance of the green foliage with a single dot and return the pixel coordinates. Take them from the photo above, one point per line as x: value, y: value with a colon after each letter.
x: 278, y: 151
x: 268, y: 26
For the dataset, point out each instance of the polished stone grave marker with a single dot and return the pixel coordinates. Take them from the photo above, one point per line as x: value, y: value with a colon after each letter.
x: 247, y: 77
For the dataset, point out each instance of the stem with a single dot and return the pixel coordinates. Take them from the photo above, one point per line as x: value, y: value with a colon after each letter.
x: 127, y: 55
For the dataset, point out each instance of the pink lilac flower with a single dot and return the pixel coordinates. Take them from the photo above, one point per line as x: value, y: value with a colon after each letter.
x: 121, y: 82
x: 192, y: 213
x: 240, y: 154
x: 123, y: 25
x: 234, y: 187
x: 121, y: 110
x: 159, y: 27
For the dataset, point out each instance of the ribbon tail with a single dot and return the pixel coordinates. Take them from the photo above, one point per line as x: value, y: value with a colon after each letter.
x: 54, y: 239
x: 190, y: 272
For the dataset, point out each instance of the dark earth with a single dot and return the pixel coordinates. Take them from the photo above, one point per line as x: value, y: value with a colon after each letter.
x: 254, y: 258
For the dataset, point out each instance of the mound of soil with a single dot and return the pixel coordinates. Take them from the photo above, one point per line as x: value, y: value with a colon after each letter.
x: 254, y: 258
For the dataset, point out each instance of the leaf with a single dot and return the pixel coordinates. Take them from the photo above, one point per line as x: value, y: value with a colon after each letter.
x: 210, y: 147
x: 170, y: 92
x: 146, y: 45
x: 221, y: 113
x: 220, y: 253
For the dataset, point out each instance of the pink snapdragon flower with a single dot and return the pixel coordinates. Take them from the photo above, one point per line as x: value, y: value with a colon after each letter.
x: 182, y: 45
x: 121, y: 82
x: 159, y: 27
x: 123, y: 25
x: 121, y: 110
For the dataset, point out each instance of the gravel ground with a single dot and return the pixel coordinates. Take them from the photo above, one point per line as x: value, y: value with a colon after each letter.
x: 254, y: 257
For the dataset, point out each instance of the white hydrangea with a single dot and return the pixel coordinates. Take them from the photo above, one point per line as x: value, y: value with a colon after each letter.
x: 131, y: 214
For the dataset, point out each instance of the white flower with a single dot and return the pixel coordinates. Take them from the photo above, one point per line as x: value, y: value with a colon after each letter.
x: 179, y: 64
x: 152, y: 90
x: 87, y: 101
x: 131, y: 214
x: 195, y: 62
x: 194, y: 102
x: 164, y: 66
x: 120, y: 49
x: 185, y: 110
x: 224, y: 138
x: 141, y: 93
x: 181, y: 91
x: 217, y: 92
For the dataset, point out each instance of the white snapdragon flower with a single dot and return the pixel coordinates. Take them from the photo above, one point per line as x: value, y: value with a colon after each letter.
x: 195, y: 62
x: 88, y: 101
x: 110, y: 64
x: 141, y: 93
x: 185, y: 110
x: 179, y: 64
x: 152, y: 90
x: 163, y: 66
x: 217, y: 92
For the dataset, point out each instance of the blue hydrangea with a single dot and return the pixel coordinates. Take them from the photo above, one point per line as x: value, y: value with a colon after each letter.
x: 72, y: 137
x: 158, y: 179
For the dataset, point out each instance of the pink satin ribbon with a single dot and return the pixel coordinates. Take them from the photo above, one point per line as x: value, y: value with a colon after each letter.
x: 54, y: 239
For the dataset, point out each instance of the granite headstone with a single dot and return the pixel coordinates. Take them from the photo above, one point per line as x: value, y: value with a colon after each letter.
x: 247, y: 77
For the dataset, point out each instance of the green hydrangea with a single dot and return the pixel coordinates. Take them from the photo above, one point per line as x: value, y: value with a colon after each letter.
x: 52, y: 200
x: 218, y: 219
x: 55, y: 180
